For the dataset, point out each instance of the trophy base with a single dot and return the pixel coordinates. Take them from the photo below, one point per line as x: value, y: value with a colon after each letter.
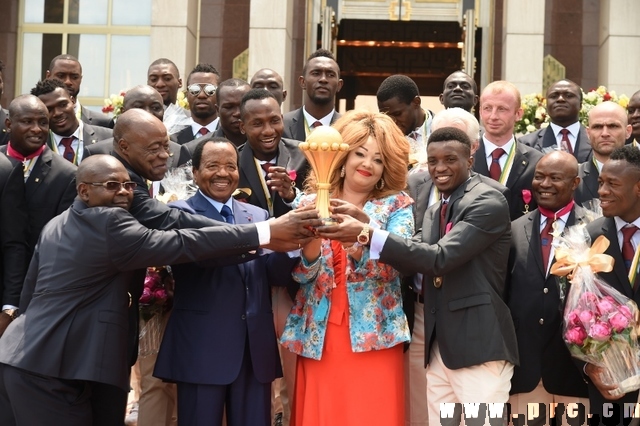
x: 327, y: 221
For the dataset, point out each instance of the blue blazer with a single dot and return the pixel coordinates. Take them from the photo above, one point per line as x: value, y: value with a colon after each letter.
x: 218, y: 306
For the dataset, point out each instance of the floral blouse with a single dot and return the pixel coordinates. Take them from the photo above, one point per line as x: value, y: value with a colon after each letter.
x: 376, y: 318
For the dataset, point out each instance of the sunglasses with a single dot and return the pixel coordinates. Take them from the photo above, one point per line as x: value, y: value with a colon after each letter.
x: 196, y: 88
x: 114, y: 186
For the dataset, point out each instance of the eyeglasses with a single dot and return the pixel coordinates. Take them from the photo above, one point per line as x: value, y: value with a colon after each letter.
x: 196, y: 88
x: 114, y: 186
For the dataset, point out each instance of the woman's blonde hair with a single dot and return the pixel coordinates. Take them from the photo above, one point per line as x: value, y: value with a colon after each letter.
x: 356, y: 127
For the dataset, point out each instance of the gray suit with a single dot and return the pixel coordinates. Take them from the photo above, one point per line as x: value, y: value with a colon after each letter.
x: 588, y: 187
x: 545, y: 139
x: 95, y: 118
x: 470, y: 262
x: 294, y: 127
x: 74, y: 302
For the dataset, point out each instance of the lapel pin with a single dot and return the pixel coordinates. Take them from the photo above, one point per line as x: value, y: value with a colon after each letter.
x: 37, y: 179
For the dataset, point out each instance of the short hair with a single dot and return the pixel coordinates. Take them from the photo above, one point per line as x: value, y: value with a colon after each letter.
x: 448, y: 134
x: 628, y: 153
x: 356, y: 127
x: 474, y: 85
x: 232, y: 82
x: 501, y: 86
x: 164, y: 61
x: 64, y: 57
x: 1, y: 67
x: 47, y: 86
x: 320, y: 53
x: 257, y: 95
x: 398, y: 86
x: 568, y: 81
x: 196, y: 159
x: 458, y: 114
x: 205, y: 68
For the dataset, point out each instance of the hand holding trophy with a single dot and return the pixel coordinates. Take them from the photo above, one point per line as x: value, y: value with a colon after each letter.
x: 324, y: 149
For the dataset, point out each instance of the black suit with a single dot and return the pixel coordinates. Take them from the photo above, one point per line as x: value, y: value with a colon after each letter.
x: 4, y: 132
x: 95, y: 118
x: 185, y: 135
x: 289, y: 156
x: 588, y: 187
x: 533, y: 295
x: 520, y: 177
x: 544, y: 139
x: 90, y: 136
x: 187, y: 149
x: 619, y: 280
x: 294, y: 127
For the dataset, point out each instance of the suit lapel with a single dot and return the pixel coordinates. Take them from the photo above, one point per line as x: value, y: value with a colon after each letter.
x: 249, y: 177
x: 520, y: 163
x: 480, y: 160
x: 548, y: 138
x: 591, y: 179
x: 619, y: 270
x: 242, y: 216
x: 39, y: 172
x: 532, y: 232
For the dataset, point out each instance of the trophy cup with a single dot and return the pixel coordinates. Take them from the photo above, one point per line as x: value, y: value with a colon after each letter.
x: 323, y: 149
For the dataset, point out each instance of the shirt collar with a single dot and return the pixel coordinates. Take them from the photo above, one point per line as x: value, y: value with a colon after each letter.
x: 211, y: 127
x: 621, y: 223
x: 574, y: 129
x: 326, y: 120
x: 77, y: 134
x: 489, y: 146
x: 217, y: 204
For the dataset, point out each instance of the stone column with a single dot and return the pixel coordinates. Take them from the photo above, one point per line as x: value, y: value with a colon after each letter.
x: 619, y: 42
x: 523, y: 44
x: 173, y: 33
x: 271, y: 40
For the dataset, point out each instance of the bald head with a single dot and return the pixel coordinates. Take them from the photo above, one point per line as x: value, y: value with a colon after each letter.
x: 25, y: 103
x: 100, y: 180
x: 96, y: 168
x: 146, y: 98
x: 555, y: 179
x: 268, y: 79
x: 28, y: 124
x: 608, y: 129
x: 141, y: 140
x: 610, y: 109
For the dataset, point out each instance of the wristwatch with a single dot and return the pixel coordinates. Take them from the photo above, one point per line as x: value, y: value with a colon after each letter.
x: 363, y: 236
x: 13, y: 313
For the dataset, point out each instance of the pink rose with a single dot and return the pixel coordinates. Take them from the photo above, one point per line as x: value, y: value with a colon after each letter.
x: 605, y: 306
x: 575, y: 335
x: 145, y: 298
x: 624, y: 310
x: 160, y: 294
x: 586, y: 317
x: 600, y: 331
x: 573, y: 317
x: 588, y: 298
x: 618, y: 322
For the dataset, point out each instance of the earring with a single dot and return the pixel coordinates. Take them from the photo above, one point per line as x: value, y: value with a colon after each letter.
x: 342, y: 171
x: 380, y: 185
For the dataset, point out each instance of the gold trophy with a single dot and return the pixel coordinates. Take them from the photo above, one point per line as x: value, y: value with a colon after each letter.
x: 323, y: 149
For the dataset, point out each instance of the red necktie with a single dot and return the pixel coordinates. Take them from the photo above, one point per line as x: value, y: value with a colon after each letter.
x: 265, y: 167
x: 68, y: 153
x: 495, y: 171
x: 316, y: 124
x: 545, y: 240
x: 565, y: 143
x: 627, y: 247
x: 203, y: 131
x: 443, y: 218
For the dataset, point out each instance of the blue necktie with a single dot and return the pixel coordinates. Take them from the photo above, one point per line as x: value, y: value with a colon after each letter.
x: 227, y: 214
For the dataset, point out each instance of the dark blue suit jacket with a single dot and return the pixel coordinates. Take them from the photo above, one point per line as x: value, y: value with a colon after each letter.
x: 218, y: 306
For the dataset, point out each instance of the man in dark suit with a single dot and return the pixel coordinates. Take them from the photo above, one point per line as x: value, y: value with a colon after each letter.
x: 69, y: 135
x: 463, y: 258
x: 202, y: 84
x: 4, y: 114
x: 142, y: 97
x: 547, y: 373
x: 320, y: 81
x: 633, y: 115
x: 71, y: 336
x: 268, y: 79
x: 49, y: 178
x: 620, y: 200
x: 565, y: 132
x: 608, y: 129
x: 67, y: 69
x: 500, y: 156
x: 227, y: 303
x: 426, y: 194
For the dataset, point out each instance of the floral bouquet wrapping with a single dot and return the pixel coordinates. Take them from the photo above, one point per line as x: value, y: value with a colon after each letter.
x: 154, y: 302
x: 600, y: 323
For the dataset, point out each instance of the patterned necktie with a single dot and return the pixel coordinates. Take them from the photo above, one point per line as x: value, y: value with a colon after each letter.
x: 68, y: 153
x: 627, y: 247
x: 203, y: 131
x: 494, y: 170
x: 545, y: 241
x: 316, y: 124
x: 227, y: 214
x: 443, y: 218
x: 565, y: 143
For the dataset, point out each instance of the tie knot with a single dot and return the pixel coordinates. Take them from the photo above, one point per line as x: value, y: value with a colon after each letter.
x: 628, y: 232
x: 564, y: 132
x: 203, y: 131
x: 66, y: 142
x: 266, y: 166
x: 497, y: 153
x: 227, y: 214
x: 316, y: 124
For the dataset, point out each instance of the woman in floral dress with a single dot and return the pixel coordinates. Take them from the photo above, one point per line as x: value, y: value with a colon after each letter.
x: 347, y: 323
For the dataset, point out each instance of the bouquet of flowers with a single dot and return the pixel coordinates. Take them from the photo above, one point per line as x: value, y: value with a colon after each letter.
x: 600, y: 323
x: 154, y: 302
